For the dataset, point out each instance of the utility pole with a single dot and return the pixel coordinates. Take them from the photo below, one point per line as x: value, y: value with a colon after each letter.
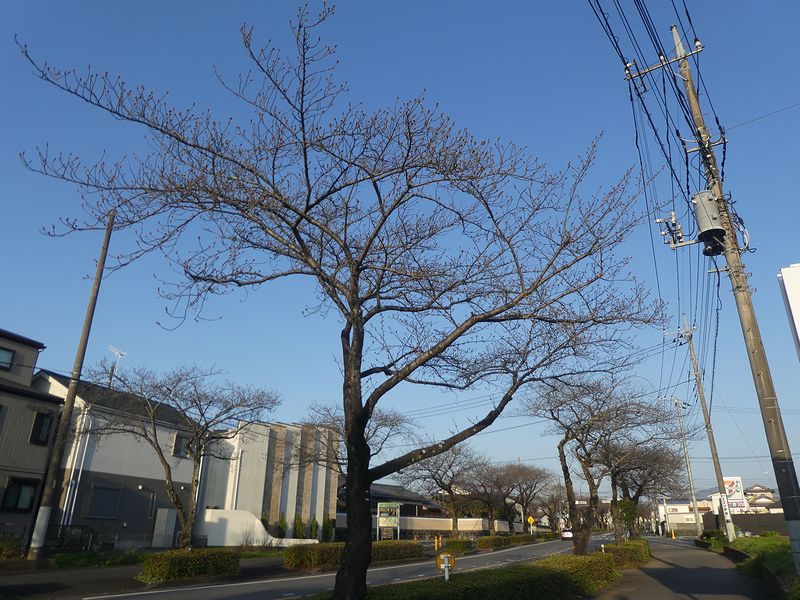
x: 782, y: 463
x: 698, y: 523
x: 724, y: 510
x: 59, y: 444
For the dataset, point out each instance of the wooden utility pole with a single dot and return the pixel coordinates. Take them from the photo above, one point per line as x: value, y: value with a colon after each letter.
x: 782, y: 463
x: 696, y: 510
x: 724, y: 509
x: 49, y: 496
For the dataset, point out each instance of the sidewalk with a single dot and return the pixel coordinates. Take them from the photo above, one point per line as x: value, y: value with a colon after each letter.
x: 679, y: 571
x: 79, y: 583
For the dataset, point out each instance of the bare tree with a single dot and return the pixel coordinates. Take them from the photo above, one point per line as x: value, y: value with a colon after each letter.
x: 492, y: 487
x: 444, y: 478
x: 529, y: 482
x: 552, y: 503
x: 182, y: 412
x: 385, y: 425
x: 591, y: 416
x: 434, y: 248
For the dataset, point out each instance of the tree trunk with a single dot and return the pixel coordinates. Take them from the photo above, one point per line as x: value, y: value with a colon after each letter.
x: 615, y: 517
x: 453, y: 519
x: 351, y: 578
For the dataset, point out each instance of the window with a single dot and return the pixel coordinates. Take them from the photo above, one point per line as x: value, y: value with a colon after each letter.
x: 181, y: 446
x: 19, y: 494
x: 42, y: 424
x: 6, y: 358
x: 104, y: 502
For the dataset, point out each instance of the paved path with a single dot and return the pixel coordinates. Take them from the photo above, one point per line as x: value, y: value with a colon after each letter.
x: 679, y: 571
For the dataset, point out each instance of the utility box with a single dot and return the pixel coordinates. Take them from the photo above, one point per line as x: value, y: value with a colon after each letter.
x: 709, y: 224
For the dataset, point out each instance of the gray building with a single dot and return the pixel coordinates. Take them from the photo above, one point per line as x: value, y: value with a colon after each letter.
x: 28, y: 418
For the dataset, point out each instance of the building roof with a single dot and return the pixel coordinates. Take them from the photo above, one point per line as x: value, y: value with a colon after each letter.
x: 28, y: 392
x: 397, y: 493
x: 754, y: 489
x: 21, y: 339
x: 101, y: 395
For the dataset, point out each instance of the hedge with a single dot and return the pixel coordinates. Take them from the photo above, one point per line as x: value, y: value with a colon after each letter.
x: 633, y: 553
x: 493, y: 541
x: 557, y: 578
x: 329, y: 555
x: 519, y: 540
x: 457, y: 546
x: 177, y: 564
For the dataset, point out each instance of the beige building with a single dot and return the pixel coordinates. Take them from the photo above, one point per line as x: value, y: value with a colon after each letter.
x: 28, y: 419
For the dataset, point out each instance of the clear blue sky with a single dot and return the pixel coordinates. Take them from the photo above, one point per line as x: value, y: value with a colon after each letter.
x: 541, y: 74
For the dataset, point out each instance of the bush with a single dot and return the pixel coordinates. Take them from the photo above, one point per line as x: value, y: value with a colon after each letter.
x: 328, y: 527
x: 458, y: 546
x: 329, y: 555
x: 177, y: 564
x: 10, y: 547
x: 313, y: 529
x: 633, y: 553
x: 520, y: 540
x: 493, y: 542
x: 280, y: 528
x: 565, y: 578
x: 590, y: 573
x: 299, y: 527
x: 770, y: 550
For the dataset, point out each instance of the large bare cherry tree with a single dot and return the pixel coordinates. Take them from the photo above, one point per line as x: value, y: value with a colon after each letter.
x: 432, y: 247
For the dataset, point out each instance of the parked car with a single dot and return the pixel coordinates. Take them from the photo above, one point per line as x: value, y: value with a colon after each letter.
x: 566, y: 534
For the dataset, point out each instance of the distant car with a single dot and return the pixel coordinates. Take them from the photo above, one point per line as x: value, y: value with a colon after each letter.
x: 566, y: 534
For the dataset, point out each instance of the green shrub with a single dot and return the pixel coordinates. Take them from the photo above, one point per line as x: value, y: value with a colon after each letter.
x: 565, y: 578
x: 458, y: 547
x: 590, y: 573
x: 177, y: 564
x: 299, y: 527
x: 493, y: 542
x: 772, y: 550
x: 519, y: 540
x: 280, y: 528
x: 633, y: 553
x: 329, y: 555
x: 313, y: 529
x: 328, y: 527
x: 10, y: 547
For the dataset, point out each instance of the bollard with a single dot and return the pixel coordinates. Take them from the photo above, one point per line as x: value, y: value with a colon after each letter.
x: 673, y: 534
x: 602, y: 548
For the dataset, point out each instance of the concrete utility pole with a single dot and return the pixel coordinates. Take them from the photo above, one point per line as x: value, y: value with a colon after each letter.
x: 59, y: 444
x: 698, y: 523
x: 724, y: 510
x: 781, y: 455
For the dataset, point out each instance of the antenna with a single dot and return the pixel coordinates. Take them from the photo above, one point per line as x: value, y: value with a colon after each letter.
x: 119, y: 354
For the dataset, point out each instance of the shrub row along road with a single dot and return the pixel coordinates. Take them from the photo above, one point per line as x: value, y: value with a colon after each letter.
x: 288, y: 587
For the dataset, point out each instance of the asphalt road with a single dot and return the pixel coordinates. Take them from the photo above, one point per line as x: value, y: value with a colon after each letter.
x: 293, y: 587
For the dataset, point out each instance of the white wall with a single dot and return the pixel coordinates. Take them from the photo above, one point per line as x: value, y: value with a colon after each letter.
x: 237, y: 528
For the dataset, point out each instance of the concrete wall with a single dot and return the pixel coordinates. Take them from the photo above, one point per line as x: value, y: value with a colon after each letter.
x: 424, y: 524
x: 755, y: 524
x: 238, y: 528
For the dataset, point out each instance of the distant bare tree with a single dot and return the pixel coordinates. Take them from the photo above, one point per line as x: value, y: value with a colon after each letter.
x: 432, y: 247
x: 492, y: 487
x: 529, y: 482
x: 183, y: 412
x: 386, y: 425
x: 445, y: 478
x: 590, y: 415
x: 552, y: 502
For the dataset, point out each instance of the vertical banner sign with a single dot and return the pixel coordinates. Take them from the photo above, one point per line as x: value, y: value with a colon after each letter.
x: 388, y: 520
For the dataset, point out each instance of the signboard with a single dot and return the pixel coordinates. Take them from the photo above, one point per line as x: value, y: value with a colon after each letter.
x: 531, y: 520
x: 734, y: 489
x: 388, y: 514
x: 451, y: 560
